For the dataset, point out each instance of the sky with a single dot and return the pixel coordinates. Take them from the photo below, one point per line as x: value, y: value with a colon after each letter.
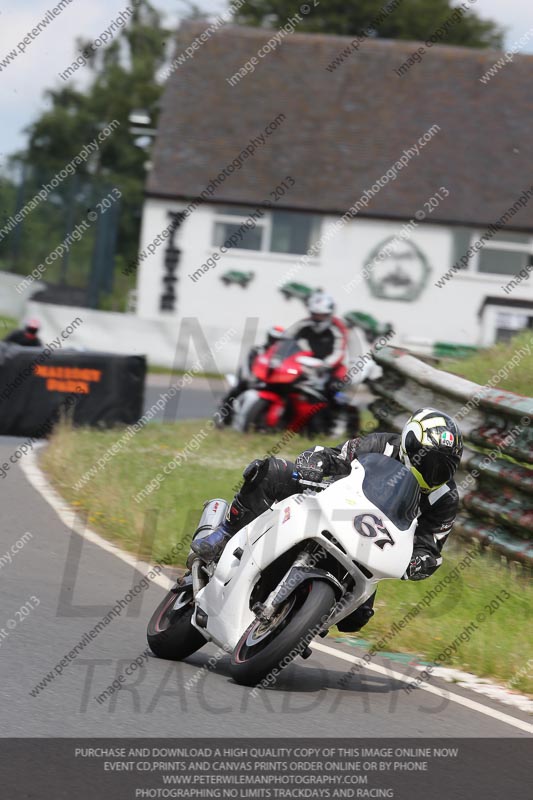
x: 24, y: 80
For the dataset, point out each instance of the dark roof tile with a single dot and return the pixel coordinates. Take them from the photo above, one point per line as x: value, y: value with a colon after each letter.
x: 344, y: 129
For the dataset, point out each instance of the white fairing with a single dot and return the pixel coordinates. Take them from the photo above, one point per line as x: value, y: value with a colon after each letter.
x: 358, y: 350
x: 226, y: 598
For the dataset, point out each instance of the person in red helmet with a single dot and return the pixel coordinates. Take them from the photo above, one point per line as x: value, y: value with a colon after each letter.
x: 27, y: 336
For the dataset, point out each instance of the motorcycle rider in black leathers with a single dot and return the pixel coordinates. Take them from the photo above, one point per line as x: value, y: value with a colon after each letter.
x: 430, y: 445
x: 26, y: 337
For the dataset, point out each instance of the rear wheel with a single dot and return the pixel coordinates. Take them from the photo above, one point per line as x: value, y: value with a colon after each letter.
x: 170, y: 633
x: 269, y: 646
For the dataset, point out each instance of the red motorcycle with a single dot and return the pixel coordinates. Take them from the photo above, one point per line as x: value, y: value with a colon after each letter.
x: 289, y: 392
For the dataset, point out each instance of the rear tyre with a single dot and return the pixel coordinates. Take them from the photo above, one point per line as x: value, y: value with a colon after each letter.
x: 265, y: 647
x: 170, y: 633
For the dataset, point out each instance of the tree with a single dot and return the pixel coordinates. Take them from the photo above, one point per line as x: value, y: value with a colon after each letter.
x: 409, y: 19
x: 123, y: 79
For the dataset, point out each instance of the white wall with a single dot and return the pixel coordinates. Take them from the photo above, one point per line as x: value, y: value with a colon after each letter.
x: 440, y: 314
x: 13, y: 303
x: 229, y: 318
x: 128, y: 334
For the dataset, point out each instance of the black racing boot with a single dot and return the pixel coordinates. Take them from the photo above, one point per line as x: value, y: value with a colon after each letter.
x: 210, y: 548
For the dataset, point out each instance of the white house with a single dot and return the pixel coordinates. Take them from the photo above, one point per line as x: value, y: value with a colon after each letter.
x: 407, y: 196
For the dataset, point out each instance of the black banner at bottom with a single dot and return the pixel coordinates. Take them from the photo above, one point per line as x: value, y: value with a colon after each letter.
x: 135, y: 769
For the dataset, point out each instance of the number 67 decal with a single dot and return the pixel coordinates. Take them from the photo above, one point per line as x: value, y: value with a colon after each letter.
x: 371, y: 527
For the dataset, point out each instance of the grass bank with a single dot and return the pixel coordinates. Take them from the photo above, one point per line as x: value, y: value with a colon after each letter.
x: 212, y: 467
x: 499, y: 647
x: 154, y: 369
x: 469, y: 616
x: 485, y: 364
x: 7, y: 324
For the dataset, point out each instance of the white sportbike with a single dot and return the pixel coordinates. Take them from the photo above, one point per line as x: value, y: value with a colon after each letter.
x: 292, y: 573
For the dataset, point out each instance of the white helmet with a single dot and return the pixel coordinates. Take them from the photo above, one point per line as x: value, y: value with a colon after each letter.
x: 321, y: 308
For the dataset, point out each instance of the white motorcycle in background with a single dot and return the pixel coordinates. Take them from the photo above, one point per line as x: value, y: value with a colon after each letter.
x: 292, y: 573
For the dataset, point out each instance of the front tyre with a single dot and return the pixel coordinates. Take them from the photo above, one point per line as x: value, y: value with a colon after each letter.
x: 265, y: 647
x: 254, y: 415
x: 170, y: 632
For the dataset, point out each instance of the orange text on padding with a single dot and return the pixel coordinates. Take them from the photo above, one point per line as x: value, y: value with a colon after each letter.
x: 79, y: 387
x: 68, y: 379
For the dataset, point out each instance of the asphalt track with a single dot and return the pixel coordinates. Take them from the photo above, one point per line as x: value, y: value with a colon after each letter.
x: 197, y: 401
x: 76, y: 582
x: 201, y: 398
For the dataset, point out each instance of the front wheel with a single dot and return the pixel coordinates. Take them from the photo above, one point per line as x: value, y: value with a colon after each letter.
x: 267, y: 647
x: 255, y: 414
x: 170, y: 632
x: 249, y: 415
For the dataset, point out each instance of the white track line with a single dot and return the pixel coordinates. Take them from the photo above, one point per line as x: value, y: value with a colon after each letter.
x: 455, y: 698
x: 78, y: 523
x: 71, y: 519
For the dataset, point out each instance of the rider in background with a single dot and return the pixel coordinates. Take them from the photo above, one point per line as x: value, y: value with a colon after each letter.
x: 327, y: 337
x: 430, y: 445
x: 27, y: 336
x: 325, y: 334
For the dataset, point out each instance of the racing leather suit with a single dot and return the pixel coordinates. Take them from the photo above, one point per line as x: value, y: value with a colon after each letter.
x: 329, y: 345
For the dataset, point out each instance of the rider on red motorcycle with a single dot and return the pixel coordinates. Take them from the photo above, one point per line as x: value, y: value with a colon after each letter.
x: 327, y: 337
x: 325, y: 334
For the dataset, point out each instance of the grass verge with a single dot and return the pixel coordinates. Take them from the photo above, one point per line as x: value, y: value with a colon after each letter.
x: 499, y: 647
x: 484, y: 365
x: 496, y: 644
x: 154, y: 369
x: 7, y: 324
x: 214, y: 469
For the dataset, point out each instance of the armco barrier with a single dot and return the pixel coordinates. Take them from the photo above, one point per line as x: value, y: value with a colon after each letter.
x: 37, y: 385
x: 496, y: 481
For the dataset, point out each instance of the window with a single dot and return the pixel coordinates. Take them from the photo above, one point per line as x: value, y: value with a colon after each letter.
x: 509, y: 324
x: 232, y: 220
x: 515, y: 238
x: 290, y: 232
x: 248, y: 239
x: 502, y: 262
x: 504, y: 254
x: 462, y: 238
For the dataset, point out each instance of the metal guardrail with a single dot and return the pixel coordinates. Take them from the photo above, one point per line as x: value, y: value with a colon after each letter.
x: 496, y: 478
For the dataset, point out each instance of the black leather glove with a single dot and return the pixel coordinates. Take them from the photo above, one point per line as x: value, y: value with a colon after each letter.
x: 311, y: 465
x: 421, y: 566
x: 315, y: 465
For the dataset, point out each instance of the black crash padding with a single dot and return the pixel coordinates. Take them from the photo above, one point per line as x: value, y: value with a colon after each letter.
x: 39, y: 385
